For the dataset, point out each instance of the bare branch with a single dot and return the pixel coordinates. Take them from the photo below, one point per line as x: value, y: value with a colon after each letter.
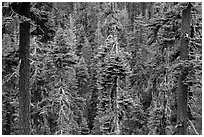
x: 192, y: 125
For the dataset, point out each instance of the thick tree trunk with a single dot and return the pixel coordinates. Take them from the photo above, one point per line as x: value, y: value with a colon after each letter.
x: 24, y: 45
x: 183, y: 88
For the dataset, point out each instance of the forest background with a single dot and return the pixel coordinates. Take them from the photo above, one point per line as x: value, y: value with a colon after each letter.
x: 105, y: 68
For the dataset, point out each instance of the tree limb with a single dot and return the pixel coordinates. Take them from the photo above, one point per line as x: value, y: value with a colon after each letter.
x: 192, y: 125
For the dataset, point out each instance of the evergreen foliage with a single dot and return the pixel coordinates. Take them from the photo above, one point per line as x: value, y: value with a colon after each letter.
x: 105, y: 68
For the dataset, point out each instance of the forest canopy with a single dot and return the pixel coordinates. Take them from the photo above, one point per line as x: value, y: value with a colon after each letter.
x: 102, y: 68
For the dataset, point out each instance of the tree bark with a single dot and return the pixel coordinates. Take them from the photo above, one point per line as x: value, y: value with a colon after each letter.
x: 132, y: 11
x: 143, y: 8
x: 183, y: 88
x: 24, y: 45
x: 117, y: 129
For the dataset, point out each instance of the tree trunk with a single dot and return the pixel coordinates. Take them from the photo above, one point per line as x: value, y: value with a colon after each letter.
x: 143, y: 8
x: 183, y: 88
x: 132, y: 11
x: 24, y: 45
x: 116, y: 120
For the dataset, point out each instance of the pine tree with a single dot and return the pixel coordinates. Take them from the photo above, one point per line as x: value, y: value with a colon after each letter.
x: 111, y: 70
x: 65, y: 82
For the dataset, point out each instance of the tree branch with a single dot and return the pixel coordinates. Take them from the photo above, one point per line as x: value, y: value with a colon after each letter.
x: 192, y: 125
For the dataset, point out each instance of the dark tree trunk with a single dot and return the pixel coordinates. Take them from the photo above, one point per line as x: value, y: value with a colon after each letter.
x: 183, y: 88
x: 143, y: 8
x: 24, y: 45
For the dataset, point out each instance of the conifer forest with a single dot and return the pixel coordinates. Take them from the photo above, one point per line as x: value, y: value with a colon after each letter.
x: 101, y: 68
